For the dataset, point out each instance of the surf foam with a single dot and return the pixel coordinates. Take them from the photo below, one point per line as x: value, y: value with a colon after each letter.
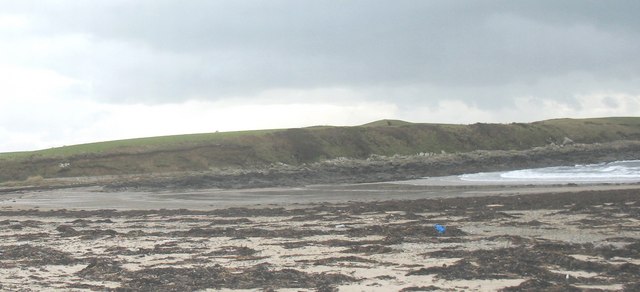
x: 618, y: 171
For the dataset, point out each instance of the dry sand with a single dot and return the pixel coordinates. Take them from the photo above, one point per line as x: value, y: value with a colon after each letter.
x: 366, y: 237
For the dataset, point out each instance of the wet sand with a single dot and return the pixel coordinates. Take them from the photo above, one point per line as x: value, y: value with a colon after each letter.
x: 355, y: 237
x: 96, y: 197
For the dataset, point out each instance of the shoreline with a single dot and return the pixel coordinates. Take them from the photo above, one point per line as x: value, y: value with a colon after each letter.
x: 345, y: 170
x: 96, y: 198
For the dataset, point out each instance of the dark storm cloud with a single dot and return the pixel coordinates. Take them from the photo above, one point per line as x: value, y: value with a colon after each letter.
x: 484, y: 52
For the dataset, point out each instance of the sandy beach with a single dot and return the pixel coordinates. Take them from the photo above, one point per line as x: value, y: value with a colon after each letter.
x: 355, y: 237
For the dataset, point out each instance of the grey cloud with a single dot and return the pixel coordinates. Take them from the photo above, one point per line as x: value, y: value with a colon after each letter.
x: 482, y: 52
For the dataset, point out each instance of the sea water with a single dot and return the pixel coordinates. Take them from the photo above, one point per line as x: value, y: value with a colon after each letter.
x: 618, y: 171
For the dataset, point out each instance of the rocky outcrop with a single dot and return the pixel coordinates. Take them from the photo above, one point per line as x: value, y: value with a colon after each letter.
x: 399, y: 167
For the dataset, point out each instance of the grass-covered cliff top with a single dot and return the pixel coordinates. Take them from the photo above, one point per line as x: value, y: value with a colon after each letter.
x: 198, y: 152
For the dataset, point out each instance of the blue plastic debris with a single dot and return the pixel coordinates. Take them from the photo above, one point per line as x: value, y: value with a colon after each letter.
x: 441, y: 229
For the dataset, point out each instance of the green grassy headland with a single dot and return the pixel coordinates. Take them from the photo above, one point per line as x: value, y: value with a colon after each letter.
x: 201, y: 152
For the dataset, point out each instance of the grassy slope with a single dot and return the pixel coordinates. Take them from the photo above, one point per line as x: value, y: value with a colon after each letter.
x: 293, y: 146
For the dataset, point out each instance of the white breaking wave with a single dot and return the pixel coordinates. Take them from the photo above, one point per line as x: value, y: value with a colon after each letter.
x: 618, y: 171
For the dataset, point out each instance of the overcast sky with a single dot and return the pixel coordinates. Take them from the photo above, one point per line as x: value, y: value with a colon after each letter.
x: 82, y: 71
